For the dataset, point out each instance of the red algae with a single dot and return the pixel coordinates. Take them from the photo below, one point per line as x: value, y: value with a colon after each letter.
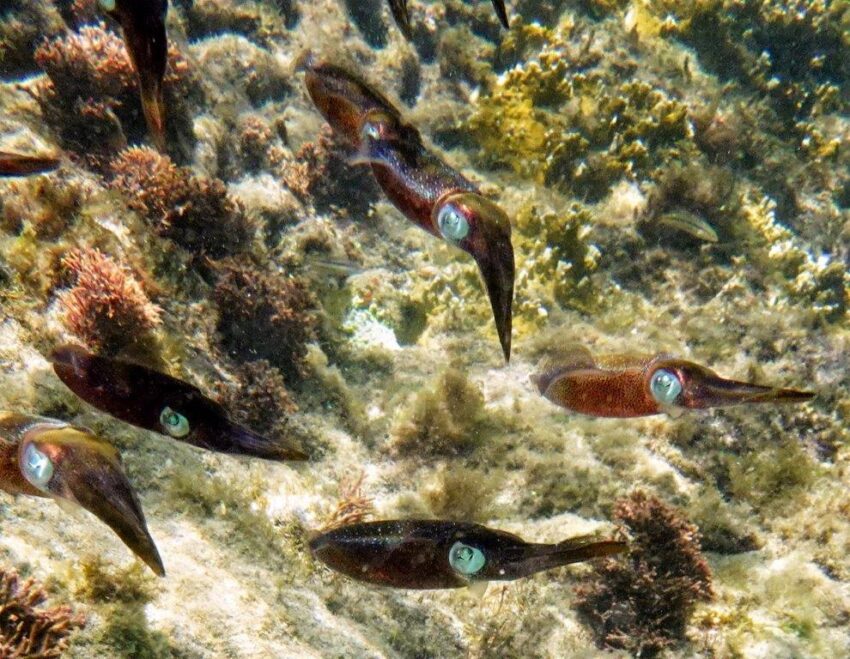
x: 106, y: 308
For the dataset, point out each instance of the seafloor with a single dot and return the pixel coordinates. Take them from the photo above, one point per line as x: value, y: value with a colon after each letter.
x: 612, y: 131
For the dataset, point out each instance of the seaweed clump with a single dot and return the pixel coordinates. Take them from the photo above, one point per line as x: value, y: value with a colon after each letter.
x: 449, y: 418
x: 262, y: 316
x: 90, y: 95
x: 26, y: 630
x: 642, y: 603
x: 106, y: 307
x: 321, y: 172
x: 195, y: 212
x: 260, y: 399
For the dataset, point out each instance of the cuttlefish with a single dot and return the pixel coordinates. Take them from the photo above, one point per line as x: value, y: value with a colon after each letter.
x: 48, y: 458
x: 18, y: 164
x: 425, y: 554
x: 155, y: 401
x: 143, y: 26
x: 426, y: 190
x: 629, y: 385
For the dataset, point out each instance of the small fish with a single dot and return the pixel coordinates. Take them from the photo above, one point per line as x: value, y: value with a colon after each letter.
x: 143, y: 25
x: 16, y: 164
x: 49, y: 458
x: 426, y: 190
x: 426, y: 554
x: 402, y: 16
x: 155, y: 401
x: 628, y: 385
x: 689, y: 223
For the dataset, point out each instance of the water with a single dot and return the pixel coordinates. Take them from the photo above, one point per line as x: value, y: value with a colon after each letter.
x: 675, y: 178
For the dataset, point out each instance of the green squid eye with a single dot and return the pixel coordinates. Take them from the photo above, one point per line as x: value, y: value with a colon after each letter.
x: 665, y: 386
x: 465, y: 559
x: 452, y: 224
x: 175, y: 424
x: 37, y: 467
x: 107, y: 5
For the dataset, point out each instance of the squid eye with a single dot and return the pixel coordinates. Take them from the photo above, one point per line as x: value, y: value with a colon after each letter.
x: 665, y: 386
x: 37, y: 467
x: 452, y: 224
x: 107, y: 5
x: 465, y: 559
x: 371, y: 130
x: 175, y: 424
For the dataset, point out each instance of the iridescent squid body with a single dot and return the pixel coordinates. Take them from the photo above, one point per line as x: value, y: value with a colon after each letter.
x: 155, y: 401
x: 143, y: 25
x: 640, y: 385
x: 426, y: 554
x: 48, y: 458
x: 17, y: 164
x: 402, y: 16
x: 424, y: 188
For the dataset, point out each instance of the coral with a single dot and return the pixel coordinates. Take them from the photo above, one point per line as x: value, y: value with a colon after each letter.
x: 353, y: 506
x: 195, y: 212
x: 447, y: 418
x: 642, y: 603
x: 106, y: 307
x: 321, y: 172
x: 90, y: 95
x: 27, y: 630
x: 265, y: 316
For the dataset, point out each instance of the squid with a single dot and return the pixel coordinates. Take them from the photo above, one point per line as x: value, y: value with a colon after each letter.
x: 402, y: 16
x: 426, y: 190
x: 44, y: 457
x: 429, y: 554
x: 143, y: 26
x: 158, y: 402
x: 624, y: 386
x: 16, y: 164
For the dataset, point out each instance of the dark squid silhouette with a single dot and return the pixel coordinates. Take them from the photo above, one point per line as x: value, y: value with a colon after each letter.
x: 155, y: 401
x: 425, y: 554
x: 143, y: 25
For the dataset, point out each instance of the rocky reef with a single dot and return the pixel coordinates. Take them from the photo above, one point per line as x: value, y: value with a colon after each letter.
x: 677, y: 179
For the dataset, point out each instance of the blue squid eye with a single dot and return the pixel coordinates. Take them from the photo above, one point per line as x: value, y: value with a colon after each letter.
x: 107, y: 5
x: 175, y: 424
x: 452, y: 224
x: 371, y: 130
x: 465, y: 559
x: 665, y: 386
x: 37, y: 467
